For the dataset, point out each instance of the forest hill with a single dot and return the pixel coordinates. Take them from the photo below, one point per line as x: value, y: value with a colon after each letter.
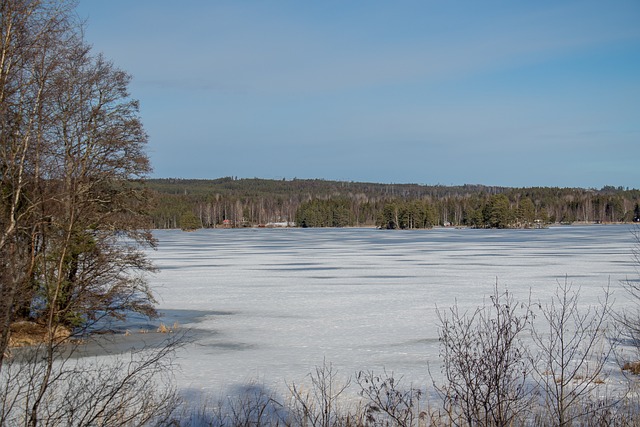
x: 231, y: 202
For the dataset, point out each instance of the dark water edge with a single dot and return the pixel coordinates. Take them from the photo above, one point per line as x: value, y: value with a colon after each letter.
x: 114, y: 337
x: 139, y: 332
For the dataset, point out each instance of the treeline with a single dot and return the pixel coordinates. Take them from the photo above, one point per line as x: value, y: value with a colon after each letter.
x: 391, y: 214
x: 254, y: 202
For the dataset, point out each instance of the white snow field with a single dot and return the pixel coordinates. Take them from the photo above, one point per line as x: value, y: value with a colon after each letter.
x: 271, y: 304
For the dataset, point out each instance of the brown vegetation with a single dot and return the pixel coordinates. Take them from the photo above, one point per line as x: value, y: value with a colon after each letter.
x: 25, y: 333
x: 633, y: 367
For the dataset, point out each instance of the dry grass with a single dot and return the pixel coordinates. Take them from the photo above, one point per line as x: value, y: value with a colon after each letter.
x: 24, y: 333
x: 633, y: 367
x: 164, y: 329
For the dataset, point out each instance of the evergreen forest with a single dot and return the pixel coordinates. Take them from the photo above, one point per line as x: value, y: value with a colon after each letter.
x: 232, y: 202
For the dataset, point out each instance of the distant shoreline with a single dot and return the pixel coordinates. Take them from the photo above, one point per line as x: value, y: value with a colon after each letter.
x: 373, y: 227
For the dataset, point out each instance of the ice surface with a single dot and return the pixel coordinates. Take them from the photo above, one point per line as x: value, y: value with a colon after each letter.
x: 282, y: 300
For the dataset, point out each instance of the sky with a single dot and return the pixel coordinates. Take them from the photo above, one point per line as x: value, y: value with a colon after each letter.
x: 506, y: 93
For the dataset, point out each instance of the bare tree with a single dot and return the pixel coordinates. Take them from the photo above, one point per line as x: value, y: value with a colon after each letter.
x: 318, y: 405
x: 99, y: 150
x: 73, y: 223
x: 66, y: 127
x: 484, y: 363
x: 388, y: 402
x: 629, y: 319
x: 570, y: 353
x: 253, y: 405
x: 30, y: 33
x: 124, y: 391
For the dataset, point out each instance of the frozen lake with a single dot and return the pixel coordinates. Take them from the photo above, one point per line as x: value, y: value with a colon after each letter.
x: 273, y: 303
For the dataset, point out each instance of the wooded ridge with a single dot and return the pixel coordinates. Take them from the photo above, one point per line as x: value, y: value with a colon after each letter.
x: 232, y: 202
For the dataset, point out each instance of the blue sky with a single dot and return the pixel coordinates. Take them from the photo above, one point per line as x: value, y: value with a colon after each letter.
x: 512, y: 93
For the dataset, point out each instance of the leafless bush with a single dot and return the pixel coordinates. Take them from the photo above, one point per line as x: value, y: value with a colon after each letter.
x: 570, y: 354
x: 253, y: 406
x: 628, y: 319
x: 589, y: 412
x: 96, y: 392
x: 250, y: 405
x: 319, y: 405
x: 388, y: 403
x: 485, y: 367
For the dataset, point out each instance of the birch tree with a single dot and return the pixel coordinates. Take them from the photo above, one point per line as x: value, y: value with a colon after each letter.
x: 72, y: 219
